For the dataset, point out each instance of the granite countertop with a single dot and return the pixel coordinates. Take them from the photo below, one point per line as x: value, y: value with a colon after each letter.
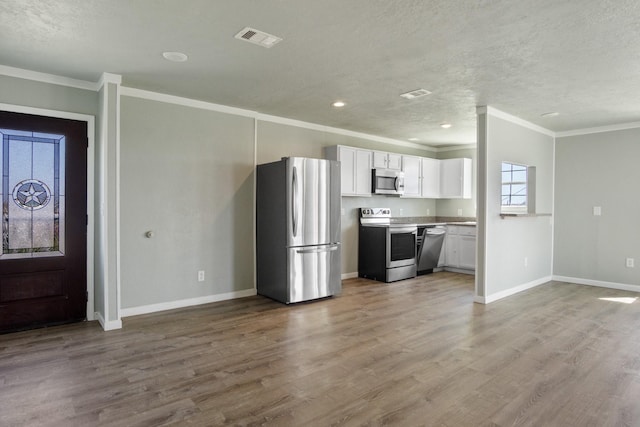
x: 435, y: 220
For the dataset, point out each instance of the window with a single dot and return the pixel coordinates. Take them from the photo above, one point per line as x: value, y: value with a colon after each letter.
x: 514, y: 187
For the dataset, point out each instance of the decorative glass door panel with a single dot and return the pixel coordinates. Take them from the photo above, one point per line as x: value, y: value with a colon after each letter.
x: 33, y: 194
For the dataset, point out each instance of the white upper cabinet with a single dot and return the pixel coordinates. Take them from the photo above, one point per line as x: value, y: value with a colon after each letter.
x: 411, y: 166
x: 430, y: 171
x: 455, y: 178
x: 355, y: 169
x: 383, y: 160
x: 424, y: 177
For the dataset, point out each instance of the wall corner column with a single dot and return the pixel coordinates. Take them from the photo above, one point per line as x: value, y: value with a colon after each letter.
x: 107, y: 190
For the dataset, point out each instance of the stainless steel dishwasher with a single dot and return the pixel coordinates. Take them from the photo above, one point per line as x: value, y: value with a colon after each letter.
x: 429, y: 245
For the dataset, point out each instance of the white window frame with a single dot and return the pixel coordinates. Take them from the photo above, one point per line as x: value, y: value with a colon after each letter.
x: 514, y: 208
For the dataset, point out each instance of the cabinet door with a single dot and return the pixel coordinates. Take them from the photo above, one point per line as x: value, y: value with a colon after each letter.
x: 467, y: 252
x: 455, y: 178
x: 394, y: 161
x: 451, y: 250
x: 442, y: 261
x: 412, y: 177
x: 347, y: 157
x: 450, y: 178
x: 430, y: 178
x: 363, y: 173
x: 379, y: 160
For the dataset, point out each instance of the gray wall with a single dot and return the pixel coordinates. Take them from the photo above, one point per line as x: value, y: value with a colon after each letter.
x: 508, y: 241
x: 598, y: 170
x: 186, y: 174
x: 277, y: 140
x: 49, y: 96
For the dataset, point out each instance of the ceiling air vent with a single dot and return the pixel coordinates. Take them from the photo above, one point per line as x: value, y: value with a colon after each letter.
x: 415, y: 94
x: 260, y: 38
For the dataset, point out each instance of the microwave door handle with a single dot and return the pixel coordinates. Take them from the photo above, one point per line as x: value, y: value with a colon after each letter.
x: 294, y: 200
x: 396, y: 183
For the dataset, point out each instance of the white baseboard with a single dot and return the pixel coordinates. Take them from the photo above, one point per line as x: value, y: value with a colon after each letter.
x: 598, y: 283
x: 346, y: 276
x: 511, y: 291
x: 108, y: 326
x: 152, y: 308
x: 458, y: 270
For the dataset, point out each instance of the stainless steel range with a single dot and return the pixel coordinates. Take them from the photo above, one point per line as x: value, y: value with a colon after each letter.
x: 386, y: 251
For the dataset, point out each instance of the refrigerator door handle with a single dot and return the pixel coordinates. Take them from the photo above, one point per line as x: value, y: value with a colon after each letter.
x: 318, y: 250
x: 294, y: 201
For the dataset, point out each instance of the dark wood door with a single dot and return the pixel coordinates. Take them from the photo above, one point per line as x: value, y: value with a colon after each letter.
x: 43, y: 265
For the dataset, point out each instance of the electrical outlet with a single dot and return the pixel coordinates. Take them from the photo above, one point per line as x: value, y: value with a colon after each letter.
x: 428, y: 212
x: 630, y: 262
x: 597, y: 211
x: 342, y: 211
x: 401, y: 211
x: 526, y: 261
x: 459, y: 212
x: 201, y: 276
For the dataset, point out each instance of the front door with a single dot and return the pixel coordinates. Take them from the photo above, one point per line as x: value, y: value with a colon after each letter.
x: 43, y: 265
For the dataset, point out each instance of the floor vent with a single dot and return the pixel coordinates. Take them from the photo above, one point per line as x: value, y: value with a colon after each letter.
x: 260, y: 38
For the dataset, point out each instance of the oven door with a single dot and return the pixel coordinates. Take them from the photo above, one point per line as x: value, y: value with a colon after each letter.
x: 401, y: 246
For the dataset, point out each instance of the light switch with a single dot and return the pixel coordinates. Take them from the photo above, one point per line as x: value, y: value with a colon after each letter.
x: 597, y: 211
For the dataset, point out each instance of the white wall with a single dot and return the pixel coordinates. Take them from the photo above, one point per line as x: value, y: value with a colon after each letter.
x: 506, y: 243
x: 599, y: 169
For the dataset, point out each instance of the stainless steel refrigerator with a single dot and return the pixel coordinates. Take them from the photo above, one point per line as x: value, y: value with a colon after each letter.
x: 298, y: 229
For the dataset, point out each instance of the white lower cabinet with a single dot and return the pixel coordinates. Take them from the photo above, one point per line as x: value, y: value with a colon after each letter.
x: 460, y: 248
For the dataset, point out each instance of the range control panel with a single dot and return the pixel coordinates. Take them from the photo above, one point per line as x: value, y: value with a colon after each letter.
x: 375, y: 213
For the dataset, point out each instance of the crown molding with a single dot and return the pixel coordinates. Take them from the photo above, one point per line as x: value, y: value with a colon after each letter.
x: 598, y: 129
x: 491, y: 111
x: 188, y: 102
x: 48, y: 78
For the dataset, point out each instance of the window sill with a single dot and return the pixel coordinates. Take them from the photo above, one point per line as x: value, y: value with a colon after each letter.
x: 504, y: 215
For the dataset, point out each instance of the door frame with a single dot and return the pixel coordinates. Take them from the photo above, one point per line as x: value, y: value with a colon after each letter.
x: 90, y: 121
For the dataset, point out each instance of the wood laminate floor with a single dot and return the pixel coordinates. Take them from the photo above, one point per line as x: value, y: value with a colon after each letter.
x: 416, y: 352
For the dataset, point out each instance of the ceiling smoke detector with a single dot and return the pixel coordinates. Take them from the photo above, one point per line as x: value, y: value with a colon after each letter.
x: 415, y: 94
x: 258, y: 37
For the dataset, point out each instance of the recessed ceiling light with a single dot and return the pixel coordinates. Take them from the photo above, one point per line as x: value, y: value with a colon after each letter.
x: 415, y: 94
x: 414, y: 139
x: 445, y: 125
x: 338, y: 104
x: 550, y: 114
x: 175, y: 56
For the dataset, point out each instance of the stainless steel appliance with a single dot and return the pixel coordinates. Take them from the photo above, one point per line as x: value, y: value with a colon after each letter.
x: 387, y: 181
x: 386, y: 251
x: 298, y: 229
x: 430, y: 239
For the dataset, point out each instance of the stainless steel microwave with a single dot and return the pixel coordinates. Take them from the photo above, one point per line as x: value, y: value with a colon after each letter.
x: 387, y: 181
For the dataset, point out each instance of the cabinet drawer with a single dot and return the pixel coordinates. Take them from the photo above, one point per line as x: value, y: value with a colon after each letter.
x: 452, y: 229
x: 467, y: 231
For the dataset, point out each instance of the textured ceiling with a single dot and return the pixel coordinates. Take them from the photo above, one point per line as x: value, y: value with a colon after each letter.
x: 578, y: 57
